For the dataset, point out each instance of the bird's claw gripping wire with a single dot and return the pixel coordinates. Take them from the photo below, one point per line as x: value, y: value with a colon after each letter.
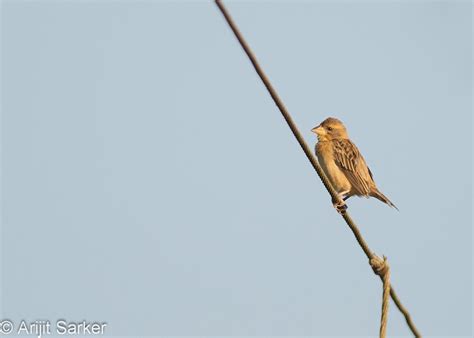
x: 340, y: 206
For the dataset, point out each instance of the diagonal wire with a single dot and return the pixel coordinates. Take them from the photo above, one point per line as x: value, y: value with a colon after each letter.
x: 309, y: 154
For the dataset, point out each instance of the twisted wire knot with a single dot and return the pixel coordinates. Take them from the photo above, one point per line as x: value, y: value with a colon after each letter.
x: 379, y: 265
x: 381, y: 268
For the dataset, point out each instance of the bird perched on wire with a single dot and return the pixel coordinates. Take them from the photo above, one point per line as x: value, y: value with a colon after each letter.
x: 344, y: 165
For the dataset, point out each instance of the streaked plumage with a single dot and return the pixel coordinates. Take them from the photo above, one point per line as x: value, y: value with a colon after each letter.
x: 343, y: 164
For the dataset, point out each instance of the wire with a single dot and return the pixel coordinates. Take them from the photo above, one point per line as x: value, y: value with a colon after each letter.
x: 289, y: 120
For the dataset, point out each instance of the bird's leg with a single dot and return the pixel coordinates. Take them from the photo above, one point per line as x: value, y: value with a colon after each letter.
x: 339, y: 204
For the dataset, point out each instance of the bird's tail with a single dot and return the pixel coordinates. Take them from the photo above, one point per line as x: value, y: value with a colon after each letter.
x: 378, y: 195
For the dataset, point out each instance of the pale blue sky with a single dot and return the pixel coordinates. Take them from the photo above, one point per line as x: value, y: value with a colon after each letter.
x: 149, y: 181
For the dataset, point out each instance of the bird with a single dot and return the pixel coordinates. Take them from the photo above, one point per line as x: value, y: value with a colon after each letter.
x: 344, y: 165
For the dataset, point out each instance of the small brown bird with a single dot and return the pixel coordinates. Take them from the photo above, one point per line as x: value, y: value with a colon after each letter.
x: 343, y: 164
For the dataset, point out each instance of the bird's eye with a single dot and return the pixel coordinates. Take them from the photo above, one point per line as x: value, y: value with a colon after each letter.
x: 329, y: 128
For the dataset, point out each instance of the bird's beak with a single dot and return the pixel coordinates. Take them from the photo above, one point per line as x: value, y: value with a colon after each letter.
x: 318, y: 130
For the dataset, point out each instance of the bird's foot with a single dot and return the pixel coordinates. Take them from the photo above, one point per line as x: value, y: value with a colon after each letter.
x: 340, y: 206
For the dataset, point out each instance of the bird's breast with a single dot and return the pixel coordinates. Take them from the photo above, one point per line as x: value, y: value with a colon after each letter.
x: 324, y: 153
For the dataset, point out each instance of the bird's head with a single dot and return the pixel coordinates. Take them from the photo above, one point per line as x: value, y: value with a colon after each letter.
x: 330, y: 129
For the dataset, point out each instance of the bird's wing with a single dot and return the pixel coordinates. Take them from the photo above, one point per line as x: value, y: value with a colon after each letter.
x: 350, y: 161
x: 370, y: 173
